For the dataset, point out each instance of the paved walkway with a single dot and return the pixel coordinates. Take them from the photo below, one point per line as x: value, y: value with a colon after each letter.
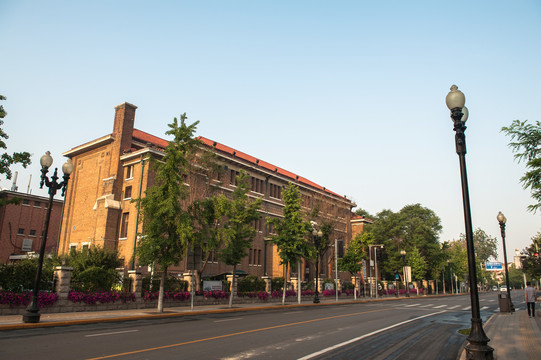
x: 514, y: 336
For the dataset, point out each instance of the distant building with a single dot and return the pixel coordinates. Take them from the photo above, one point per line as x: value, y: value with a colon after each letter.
x: 112, y: 170
x: 22, y: 225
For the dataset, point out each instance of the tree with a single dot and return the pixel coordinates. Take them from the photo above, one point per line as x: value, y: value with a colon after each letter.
x: 531, y: 264
x: 418, y: 264
x: 291, y: 231
x: 526, y: 144
x: 6, y: 160
x: 166, y: 225
x: 414, y: 226
x: 93, y: 268
x: 237, y: 230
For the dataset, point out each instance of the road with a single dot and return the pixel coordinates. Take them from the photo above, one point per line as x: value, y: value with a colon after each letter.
x: 416, y: 328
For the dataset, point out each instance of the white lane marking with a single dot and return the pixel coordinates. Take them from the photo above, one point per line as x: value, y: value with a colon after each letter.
x: 484, y: 307
x: 454, y: 307
x: 412, y: 305
x: 112, y: 333
x: 310, y: 356
x: 232, y: 319
x: 427, y: 305
x: 439, y: 307
x: 467, y: 308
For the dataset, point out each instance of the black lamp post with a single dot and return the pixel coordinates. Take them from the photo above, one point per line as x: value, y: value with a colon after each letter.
x: 403, y: 254
x: 478, y: 341
x: 317, y: 241
x: 32, y: 314
x: 502, y: 220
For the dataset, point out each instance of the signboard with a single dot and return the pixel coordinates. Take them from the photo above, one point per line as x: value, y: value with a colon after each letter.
x: 494, y: 266
x: 27, y: 245
x: 212, y: 285
x: 364, y: 270
x: 329, y: 286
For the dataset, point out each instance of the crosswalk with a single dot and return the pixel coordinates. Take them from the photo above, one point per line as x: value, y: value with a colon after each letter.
x: 486, y: 305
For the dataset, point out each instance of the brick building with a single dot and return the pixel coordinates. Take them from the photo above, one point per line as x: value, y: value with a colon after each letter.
x: 111, y: 170
x: 22, y: 225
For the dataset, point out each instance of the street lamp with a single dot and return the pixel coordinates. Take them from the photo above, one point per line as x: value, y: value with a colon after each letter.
x: 32, y: 314
x: 502, y: 220
x: 317, y: 241
x: 478, y: 341
x: 403, y: 254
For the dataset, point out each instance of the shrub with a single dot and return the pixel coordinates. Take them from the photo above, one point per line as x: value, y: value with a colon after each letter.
x: 251, y: 283
x: 277, y: 284
x: 172, y: 284
x: 346, y: 285
x: 20, y: 276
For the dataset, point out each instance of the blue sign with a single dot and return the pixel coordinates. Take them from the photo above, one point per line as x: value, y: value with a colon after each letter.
x: 494, y: 266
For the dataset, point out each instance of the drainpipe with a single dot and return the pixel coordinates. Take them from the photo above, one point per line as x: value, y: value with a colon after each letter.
x: 132, y: 267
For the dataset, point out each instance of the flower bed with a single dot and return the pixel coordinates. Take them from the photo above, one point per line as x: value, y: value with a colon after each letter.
x: 17, y: 299
x: 106, y: 297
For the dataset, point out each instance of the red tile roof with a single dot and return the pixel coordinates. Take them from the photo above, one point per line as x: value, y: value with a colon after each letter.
x: 145, y: 137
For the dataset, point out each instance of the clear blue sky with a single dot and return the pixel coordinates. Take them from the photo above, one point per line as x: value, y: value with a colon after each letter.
x: 349, y: 94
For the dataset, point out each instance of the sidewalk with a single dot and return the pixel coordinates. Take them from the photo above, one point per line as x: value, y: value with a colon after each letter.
x: 513, y: 336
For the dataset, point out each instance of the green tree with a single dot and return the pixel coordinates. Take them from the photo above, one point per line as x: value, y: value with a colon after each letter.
x: 458, y: 259
x: 414, y: 226
x: 291, y: 231
x: 166, y: 224
x: 93, y: 268
x: 238, y: 231
x: 526, y: 144
x: 418, y: 264
x: 531, y: 264
x: 6, y: 160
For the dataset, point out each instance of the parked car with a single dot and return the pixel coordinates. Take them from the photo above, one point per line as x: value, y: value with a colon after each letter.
x: 503, y: 288
x: 494, y: 288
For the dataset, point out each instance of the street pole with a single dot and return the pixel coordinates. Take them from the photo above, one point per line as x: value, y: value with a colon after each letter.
x: 478, y: 341
x: 32, y: 314
x: 502, y: 220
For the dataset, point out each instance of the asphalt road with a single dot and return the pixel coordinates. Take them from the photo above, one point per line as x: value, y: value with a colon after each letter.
x: 417, y: 328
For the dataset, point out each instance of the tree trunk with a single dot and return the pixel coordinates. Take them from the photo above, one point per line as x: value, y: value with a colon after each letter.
x: 162, y: 287
x: 299, y: 281
x: 285, y: 285
x: 232, y: 286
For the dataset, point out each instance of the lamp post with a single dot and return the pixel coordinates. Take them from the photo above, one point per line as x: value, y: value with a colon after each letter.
x: 478, y: 341
x: 32, y: 314
x: 502, y: 220
x: 404, y: 274
x: 317, y: 241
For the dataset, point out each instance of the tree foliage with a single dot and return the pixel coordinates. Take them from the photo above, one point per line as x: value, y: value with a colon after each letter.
x: 526, y: 144
x: 414, y: 226
x: 238, y: 231
x: 6, y: 160
x: 291, y: 230
x: 166, y: 223
x: 356, y: 252
x: 93, y: 268
x: 532, y: 261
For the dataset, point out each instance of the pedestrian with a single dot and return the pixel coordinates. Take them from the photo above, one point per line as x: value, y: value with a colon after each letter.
x: 529, y: 297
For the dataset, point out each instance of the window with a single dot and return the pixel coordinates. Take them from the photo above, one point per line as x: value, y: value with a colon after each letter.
x: 254, y: 257
x: 129, y: 172
x: 32, y: 233
x: 275, y: 191
x: 124, y: 225
x: 37, y: 204
x: 26, y: 202
x: 85, y: 246
x: 127, y: 192
x: 340, y: 245
x: 233, y: 177
x: 258, y: 185
x: 20, y: 231
x: 73, y: 248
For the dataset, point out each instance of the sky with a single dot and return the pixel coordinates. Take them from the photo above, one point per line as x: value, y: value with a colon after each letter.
x: 349, y: 94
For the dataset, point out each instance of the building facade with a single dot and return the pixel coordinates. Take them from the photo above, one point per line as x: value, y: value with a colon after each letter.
x: 111, y: 171
x: 22, y: 226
